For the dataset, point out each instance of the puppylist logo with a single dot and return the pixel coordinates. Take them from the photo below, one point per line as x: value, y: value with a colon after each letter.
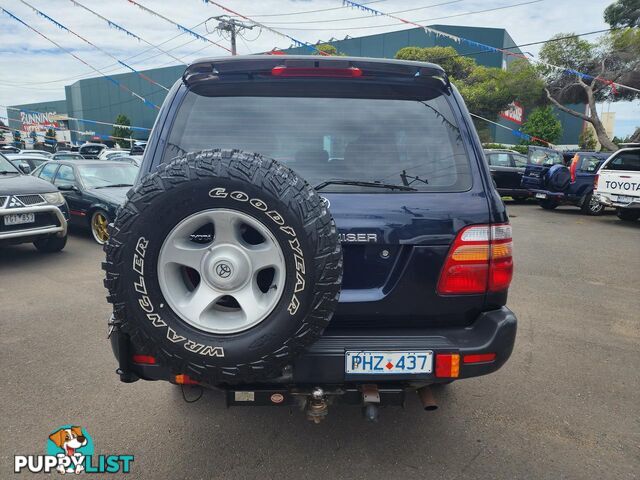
x: 70, y: 450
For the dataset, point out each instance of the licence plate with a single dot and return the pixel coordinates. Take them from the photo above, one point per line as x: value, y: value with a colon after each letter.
x: 19, y: 218
x: 388, y: 363
x: 625, y: 199
x: 541, y: 195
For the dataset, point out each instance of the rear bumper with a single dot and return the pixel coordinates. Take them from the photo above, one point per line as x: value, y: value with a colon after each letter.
x: 324, y: 362
x: 559, y: 197
x: 518, y: 192
x: 612, y: 200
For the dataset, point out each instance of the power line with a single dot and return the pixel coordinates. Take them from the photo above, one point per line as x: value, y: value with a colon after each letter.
x: 296, y: 42
x: 111, y: 79
x: 364, y: 16
x: 556, y: 39
x: 180, y: 27
x: 307, y: 11
x: 417, y: 21
x: 108, y: 67
x: 233, y: 26
x: 59, y: 25
x: 458, y: 39
x: 122, y: 29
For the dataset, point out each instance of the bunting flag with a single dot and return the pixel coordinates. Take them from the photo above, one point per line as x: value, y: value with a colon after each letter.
x: 111, y: 79
x: 296, y: 42
x: 124, y: 30
x: 489, y: 48
x: 59, y: 25
x: 516, y: 133
x: 182, y: 28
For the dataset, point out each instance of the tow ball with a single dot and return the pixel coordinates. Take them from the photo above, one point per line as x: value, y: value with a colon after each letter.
x: 317, y: 406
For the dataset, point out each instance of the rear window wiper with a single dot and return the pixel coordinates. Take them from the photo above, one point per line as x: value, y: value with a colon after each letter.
x: 360, y: 183
x: 116, y: 185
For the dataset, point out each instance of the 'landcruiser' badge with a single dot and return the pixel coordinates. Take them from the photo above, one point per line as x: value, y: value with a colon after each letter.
x: 358, y: 237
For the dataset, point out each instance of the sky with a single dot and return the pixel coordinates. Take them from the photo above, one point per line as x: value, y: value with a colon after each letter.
x: 34, y: 70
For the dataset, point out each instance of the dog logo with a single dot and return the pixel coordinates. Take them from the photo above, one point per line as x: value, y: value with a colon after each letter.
x: 70, y: 450
x: 71, y: 442
x: 223, y: 270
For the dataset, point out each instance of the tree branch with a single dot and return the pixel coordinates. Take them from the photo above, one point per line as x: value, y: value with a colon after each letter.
x: 566, y: 109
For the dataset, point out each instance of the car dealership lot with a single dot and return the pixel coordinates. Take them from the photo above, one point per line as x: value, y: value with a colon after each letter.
x: 565, y: 405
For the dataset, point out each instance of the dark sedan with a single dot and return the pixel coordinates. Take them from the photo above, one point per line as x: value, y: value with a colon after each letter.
x: 507, y: 168
x: 94, y: 189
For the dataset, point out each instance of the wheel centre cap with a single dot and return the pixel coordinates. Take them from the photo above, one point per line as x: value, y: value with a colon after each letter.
x: 227, y: 268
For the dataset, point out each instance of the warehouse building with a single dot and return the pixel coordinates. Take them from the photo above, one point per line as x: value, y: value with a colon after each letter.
x: 101, y: 100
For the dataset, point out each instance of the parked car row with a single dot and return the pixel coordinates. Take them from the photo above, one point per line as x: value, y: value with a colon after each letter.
x: 588, y: 180
x: 38, y: 208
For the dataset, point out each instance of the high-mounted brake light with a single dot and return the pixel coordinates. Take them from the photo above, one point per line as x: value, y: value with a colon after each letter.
x: 479, y: 260
x: 284, y: 71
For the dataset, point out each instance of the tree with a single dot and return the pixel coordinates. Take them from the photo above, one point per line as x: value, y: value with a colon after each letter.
x: 123, y: 131
x: 326, y: 48
x: 543, y: 123
x: 587, y: 141
x: 456, y: 66
x: 623, y: 13
x: 487, y: 91
x: 612, y: 58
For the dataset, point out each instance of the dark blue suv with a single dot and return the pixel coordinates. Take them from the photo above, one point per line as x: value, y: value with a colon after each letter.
x: 311, y: 230
x: 556, y: 178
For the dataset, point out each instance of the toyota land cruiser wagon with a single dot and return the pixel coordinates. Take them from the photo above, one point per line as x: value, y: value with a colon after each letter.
x: 311, y: 231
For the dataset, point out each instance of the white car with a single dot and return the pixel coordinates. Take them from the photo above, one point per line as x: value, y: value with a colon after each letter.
x: 111, y: 153
x: 618, y: 183
x: 42, y: 153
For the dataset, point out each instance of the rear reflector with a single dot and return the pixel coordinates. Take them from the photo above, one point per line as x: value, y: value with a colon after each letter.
x: 183, y: 379
x: 283, y: 71
x: 479, y: 260
x: 144, y: 359
x: 447, y: 365
x: 479, y: 358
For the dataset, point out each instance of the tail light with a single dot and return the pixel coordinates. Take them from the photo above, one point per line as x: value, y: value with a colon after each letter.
x: 184, y: 379
x: 144, y: 359
x: 480, y: 260
x: 574, y: 167
x: 595, y: 181
x: 447, y: 365
x: 284, y: 71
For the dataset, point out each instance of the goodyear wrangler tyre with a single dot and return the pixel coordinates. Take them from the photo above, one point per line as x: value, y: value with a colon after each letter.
x: 224, y: 264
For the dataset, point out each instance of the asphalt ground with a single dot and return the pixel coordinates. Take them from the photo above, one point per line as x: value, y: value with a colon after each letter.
x: 566, y: 404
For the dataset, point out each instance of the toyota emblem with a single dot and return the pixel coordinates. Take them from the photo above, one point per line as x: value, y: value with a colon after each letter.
x: 223, y: 270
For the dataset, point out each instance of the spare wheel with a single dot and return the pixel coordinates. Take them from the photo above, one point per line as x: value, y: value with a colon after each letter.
x: 224, y: 264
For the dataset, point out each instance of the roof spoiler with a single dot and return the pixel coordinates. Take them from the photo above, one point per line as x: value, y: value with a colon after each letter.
x: 265, y: 66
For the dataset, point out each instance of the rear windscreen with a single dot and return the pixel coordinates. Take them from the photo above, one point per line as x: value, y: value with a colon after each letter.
x: 394, y: 141
x: 90, y: 150
x: 545, y: 157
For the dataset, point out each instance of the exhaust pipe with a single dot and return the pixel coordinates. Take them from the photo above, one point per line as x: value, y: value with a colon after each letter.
x: 426, y: 398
